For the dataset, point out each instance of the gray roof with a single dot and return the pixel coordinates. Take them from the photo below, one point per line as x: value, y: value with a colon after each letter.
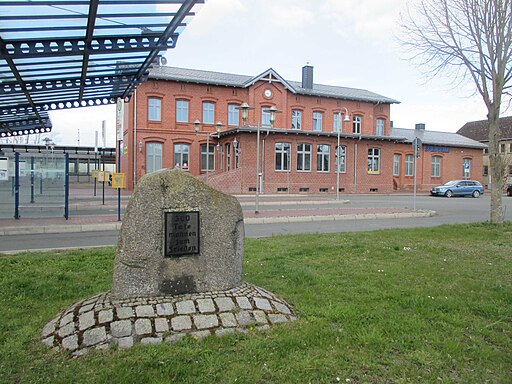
x: 479, y: 130
x: 446, y: 139
x: 243, y: 81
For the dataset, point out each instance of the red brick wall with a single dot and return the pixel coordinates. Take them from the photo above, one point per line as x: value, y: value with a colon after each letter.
x: 355, y: 180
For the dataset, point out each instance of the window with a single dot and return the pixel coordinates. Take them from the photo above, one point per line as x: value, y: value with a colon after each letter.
x: 409, y: 165
x: 396, y: 164
x: 236, y: 151
x: 265, y: 116
x: 341, y: 159
x: 356, y: 125
x: 282, y: 157
x: 153, y: 157
x: 486, y: 170
x: 304, y: 157
x: 336, y: 125
x: 208, y: 112
x: 379, y: 127
x: 296, y: 119
x: 228, y: 157
x: 466, y: 168
x: 181, y: 156
x: 502, y: 148
x: 233, y: 115
x: 207, y: 157
x: 436, y: 166
x: 374, y: 160
x: 317, y: 121
x: 154, y: 108
x: 322, y: 157
x: 182, y: 111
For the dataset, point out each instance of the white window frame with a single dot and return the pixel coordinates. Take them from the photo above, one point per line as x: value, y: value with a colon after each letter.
x: 182, y: 155
x: 323, y: 154
x: 466, y: 172
x: 154, y: 108
x: 379, y: 127
x: 373, y: 161
x: 317, y: 121
x: 208, y: 152
x: 356, y: 124
x: 208, y: 112
x: 341, y: 156
x: 181, y: 111
x: 153, y: 156
x: 296, y: 119
x: 436, y: 166
x: 396, y: 164
x: 228, y: 157
x: 265, y: 116
x: 233, y: 115
x: 282, y: 157
x: 409, y: 165
x: 304, y: 151
x: 336, y: 122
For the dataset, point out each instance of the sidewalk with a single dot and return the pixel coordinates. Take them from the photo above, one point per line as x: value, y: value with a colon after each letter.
x: 325, y: 210
x: 88, y: 213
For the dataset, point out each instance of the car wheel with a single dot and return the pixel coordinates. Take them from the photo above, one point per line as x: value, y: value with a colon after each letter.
x: 448, y: 193
x: 476, y: 193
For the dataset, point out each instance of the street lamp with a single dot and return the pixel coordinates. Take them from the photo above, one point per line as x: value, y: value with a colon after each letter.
x: 245, y: 114
x: 215, y: 134
x: 347, y: 119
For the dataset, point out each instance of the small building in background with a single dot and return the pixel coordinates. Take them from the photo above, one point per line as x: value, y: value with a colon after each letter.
x: 479, y: 131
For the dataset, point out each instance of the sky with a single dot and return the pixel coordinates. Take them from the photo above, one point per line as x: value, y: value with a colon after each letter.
x: 350, y: 43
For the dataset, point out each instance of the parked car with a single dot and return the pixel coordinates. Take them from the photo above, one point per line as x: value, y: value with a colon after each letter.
x: 509, y: 190
x: 458, y: 188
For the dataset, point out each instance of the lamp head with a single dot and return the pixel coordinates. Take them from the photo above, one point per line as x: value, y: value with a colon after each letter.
x: 196, y: 126
x: 347, y: 118
x: 245, y: 111
x: 218, y: 126
x: 273, y: 111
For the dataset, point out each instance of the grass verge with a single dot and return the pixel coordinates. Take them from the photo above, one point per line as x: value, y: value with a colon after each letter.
x: 396, y: 306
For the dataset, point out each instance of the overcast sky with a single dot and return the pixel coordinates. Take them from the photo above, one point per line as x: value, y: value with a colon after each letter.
x: 350, y: 43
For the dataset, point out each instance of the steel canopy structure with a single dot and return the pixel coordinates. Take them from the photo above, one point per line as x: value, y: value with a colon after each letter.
x: 75, y: 53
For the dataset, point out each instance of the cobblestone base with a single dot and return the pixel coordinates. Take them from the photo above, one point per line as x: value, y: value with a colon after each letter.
x: 97, y: 322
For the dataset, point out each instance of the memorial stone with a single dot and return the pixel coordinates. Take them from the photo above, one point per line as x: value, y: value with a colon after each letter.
x: 178, y: 272
x: 178, y: 236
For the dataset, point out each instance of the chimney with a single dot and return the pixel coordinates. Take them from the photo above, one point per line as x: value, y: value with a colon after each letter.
x: 307, y: 77
x: 419, y: 126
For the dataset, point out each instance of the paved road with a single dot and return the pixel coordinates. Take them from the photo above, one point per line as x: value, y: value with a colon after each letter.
x: 449, y: 211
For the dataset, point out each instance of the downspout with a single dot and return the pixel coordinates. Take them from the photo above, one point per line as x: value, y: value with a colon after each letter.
x: 134, y: 138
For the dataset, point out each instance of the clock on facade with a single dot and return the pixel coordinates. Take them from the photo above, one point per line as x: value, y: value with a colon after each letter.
x: 267, y: 93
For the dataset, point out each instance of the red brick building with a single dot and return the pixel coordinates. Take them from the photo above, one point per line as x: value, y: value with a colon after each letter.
x: 172, y: 120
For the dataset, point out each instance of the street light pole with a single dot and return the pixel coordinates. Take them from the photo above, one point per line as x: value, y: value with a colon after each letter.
x: 338, y: 154
x: 245, y: 114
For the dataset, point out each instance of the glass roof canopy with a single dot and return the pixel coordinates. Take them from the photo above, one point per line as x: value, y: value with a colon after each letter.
x: 74, y: 53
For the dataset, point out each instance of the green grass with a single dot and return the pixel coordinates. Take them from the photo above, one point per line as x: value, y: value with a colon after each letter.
x: 395, y: 306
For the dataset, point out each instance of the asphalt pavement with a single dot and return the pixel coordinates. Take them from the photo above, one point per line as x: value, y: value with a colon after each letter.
x: 93, y: 220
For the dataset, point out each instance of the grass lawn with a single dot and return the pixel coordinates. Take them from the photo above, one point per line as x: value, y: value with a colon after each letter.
x: 395, y: 306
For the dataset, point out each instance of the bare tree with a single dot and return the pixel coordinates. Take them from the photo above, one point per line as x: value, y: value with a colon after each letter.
x: 469, y: 40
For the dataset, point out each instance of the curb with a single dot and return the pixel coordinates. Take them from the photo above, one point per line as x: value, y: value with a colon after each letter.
x: 301, y: 202
x: 62, y: 228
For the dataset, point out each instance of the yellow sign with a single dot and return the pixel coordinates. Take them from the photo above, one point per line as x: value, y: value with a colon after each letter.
x: 103, y: 176
x: 94, y: 173
x: 118, y: 180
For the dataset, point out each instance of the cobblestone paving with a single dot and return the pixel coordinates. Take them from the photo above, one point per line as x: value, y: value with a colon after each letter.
x: 99, y: 321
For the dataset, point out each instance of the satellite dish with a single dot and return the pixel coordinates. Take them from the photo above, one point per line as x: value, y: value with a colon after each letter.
x: 163, y: 60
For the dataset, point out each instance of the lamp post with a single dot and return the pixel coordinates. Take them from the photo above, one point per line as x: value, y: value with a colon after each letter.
x: 347, y: 119
x: 245, y: 114
x: 216, y: 134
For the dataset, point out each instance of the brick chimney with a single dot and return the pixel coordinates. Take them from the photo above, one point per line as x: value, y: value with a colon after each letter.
x: 307, y: 77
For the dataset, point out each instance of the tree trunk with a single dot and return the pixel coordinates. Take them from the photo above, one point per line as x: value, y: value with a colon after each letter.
x: 497, y: 167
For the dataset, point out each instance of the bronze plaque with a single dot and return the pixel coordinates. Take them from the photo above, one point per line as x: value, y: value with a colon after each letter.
x: 181, y: 234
